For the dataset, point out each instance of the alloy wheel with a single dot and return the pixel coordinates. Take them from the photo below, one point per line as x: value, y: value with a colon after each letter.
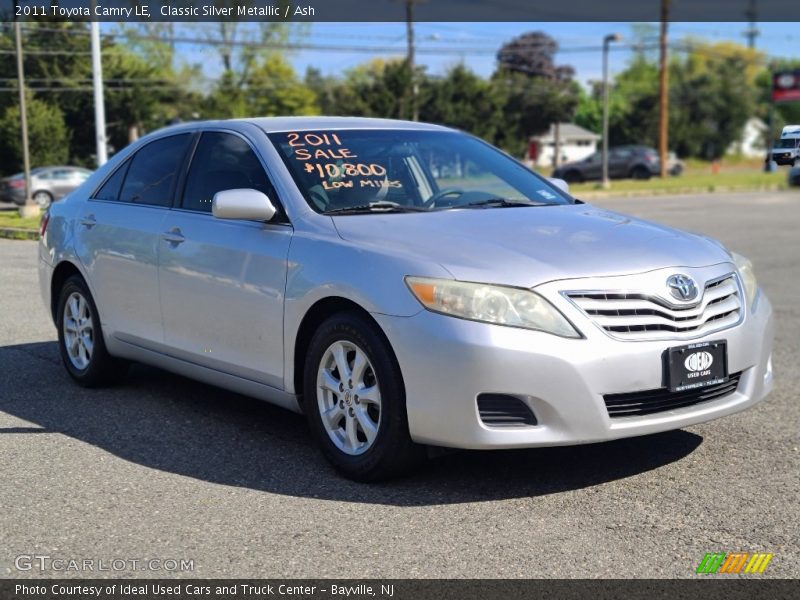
x: 349, y: 398
x: 78, y: 330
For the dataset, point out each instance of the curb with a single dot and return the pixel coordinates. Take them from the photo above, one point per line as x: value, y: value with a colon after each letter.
x: 599, y: 195
x: 17, y: 233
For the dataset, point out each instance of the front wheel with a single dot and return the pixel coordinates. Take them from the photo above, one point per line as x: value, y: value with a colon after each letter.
x: 641, y: 172
x: 355, y: 400
x: 80, y: 338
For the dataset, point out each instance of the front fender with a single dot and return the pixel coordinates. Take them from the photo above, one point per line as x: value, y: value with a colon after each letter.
x: 320, y: 267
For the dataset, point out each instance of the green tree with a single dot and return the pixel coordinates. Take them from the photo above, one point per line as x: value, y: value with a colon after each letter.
x: 463, y: 100
x: 712, y: 97
x: 530, y: 105
x: 377, y: 88
x: 273, y: 88
x: 48, y: 138
x: 536, y: 92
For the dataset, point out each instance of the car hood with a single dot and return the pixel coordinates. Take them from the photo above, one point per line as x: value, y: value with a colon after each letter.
x: 531, y: 245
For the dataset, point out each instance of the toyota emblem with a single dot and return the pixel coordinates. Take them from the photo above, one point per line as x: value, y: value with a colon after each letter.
x: 682, y: 287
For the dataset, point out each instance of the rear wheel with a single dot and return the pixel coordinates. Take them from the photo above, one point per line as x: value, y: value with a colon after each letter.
x: 355, y: 400
x: 573, y: 176
x: 42, y: 198
x: 80, y: 338
x: 641, y: 172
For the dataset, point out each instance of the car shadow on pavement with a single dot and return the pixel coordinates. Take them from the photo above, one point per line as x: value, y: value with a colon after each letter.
x: 173, y: 424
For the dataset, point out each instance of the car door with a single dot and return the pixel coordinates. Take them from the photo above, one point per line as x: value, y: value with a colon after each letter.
x: 61, y: 183
x: 619, y: 162
x: 118, y: 235
x: 75, y: 177
x: 222, y: 282
x: 592, y: 167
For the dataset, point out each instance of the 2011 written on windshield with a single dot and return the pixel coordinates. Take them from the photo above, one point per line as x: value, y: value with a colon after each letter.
x: 335, y: 174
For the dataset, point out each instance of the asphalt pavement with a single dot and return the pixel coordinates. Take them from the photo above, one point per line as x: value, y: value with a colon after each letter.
x: 165, y: 468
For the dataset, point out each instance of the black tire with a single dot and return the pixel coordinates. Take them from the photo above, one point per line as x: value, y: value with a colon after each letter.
x: 46, y: 198
x: 392, y: 452
x: 102, y: 369
x: 641, y: 172
x: 573, y: 176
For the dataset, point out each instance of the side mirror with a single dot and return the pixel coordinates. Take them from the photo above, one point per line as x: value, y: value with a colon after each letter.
x: 242, y: 203
x: 560, y: 184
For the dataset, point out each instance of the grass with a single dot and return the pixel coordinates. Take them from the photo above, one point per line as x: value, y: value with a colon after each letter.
x: 696, y: 178
x: 11, y: 218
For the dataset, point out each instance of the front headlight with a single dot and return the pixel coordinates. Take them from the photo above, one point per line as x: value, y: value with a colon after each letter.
x: 496, y: 304
x: 747, y: 276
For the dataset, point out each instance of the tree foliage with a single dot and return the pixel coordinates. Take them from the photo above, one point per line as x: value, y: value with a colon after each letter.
x: 464, y: 101
x: 715, y: 88
x: 48, y: 137
x: 712, y: 94
x: 536, y: 92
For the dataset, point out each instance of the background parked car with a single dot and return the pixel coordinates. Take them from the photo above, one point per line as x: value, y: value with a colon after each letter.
x: 48, y: 184
x: 637, y: 162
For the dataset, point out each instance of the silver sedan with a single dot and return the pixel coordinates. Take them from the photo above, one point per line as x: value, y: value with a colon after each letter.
x: 48, y: 184
x: 402, y: 285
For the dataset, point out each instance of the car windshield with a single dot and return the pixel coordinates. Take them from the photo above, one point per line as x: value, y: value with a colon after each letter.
x: 787, y: 143
x: 361, y: 171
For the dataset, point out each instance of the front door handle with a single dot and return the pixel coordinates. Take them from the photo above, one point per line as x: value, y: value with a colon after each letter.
x: 89, y: 221
x: 173, y: 236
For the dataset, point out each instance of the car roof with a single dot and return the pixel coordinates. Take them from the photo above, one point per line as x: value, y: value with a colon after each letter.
x: 281, y: 124
x: 70, y: 167
x: 270, y: 124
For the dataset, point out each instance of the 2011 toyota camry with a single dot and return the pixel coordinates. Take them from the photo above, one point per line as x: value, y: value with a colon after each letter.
x: 402, y: 285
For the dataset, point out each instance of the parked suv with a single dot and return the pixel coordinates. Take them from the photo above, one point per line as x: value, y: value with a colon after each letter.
x: 402, y: 285
x: 637, y: 162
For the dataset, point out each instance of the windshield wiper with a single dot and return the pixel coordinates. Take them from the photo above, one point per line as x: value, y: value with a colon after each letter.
x: 382, y: 206
x: 500, y: 203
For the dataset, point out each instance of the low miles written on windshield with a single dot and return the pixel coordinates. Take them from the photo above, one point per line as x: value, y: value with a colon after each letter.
x: 411, y: 169
x: 324, y: 155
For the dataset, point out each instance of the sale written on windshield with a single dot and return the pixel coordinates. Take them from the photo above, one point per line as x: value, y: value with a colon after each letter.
x: 337, y: 166
x: 414, y: 169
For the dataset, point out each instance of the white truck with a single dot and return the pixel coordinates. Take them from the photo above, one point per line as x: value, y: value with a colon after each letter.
x: 787, y: 149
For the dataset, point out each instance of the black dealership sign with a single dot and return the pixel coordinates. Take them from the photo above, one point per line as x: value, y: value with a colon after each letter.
x: 786, y: 86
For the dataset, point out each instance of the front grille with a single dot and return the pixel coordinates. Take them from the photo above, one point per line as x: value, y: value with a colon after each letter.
x: 500, y: 410
x: 638, y: 316
x: 635, y: 404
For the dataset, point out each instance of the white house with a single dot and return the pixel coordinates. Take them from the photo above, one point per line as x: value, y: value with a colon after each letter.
x: 751, y: 142
x: 575, y: 143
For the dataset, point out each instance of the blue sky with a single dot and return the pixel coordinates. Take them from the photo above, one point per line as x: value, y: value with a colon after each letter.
x: 578, y: 41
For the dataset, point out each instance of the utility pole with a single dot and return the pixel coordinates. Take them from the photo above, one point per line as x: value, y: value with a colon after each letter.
x: 99, y: 102
x: 663, y: 104
x: 613, y: 37
x: 752, y: 32
x: 556, y: 144
x: 410, y: 58
x: 29, y: 208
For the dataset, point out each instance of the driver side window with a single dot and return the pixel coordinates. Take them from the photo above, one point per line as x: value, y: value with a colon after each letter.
x: 222, y: 161
x: 453, y: 171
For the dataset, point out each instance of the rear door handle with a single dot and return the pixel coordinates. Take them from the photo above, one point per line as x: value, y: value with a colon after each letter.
x: 173, y: 236
x: 89, y: 221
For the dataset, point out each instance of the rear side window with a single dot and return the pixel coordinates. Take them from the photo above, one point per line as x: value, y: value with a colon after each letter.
x: 222, y: 161
x: 153, y: 171
x: 110, y: 189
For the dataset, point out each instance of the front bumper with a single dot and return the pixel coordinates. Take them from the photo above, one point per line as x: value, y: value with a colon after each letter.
x: 446, y: 362
x: 783, y: 159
